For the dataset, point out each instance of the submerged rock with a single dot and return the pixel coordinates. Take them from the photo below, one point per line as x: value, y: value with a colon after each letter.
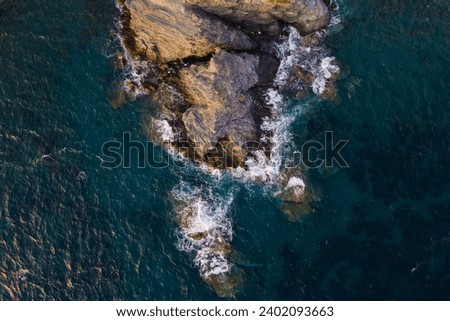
x: 115, y: 96
x: 297, y: 196
x: 294, y: 190
x: 225, y: 284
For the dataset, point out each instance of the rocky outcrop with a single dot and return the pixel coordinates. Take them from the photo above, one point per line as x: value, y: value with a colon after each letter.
x: 307, y: 16
x: 199, y: 47
x: 206, y: 64
x: 171, y: 30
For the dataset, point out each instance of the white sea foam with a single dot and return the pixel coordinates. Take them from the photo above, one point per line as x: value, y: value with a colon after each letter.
x: 204, y: 214
x: 292, y: 52
x: 261, y: 167
x: 323, y: 73
x: 164, y: 130
x: 296, y: 182
x: 135, y: 70
x: 335, y: 19
x: 286, y: 52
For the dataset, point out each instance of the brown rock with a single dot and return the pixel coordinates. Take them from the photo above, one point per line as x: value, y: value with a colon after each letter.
x: 307, y: 16
x: 293, y: 190
x: 221, y: 104
x: 224, y: 284
x: 116, y: 96
x: 304, y: 75
x: 171, y: 30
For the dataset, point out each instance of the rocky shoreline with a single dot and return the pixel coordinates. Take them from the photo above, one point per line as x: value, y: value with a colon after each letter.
x: 207, y: 66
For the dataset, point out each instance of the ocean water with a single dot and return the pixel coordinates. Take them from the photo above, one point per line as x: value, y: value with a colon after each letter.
x: 72, y: 230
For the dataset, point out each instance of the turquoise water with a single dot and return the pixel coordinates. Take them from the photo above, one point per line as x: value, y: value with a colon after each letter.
x: 70, y: 229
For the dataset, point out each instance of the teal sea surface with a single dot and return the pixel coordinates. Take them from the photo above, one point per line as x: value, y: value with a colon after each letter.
x: 72, y: 230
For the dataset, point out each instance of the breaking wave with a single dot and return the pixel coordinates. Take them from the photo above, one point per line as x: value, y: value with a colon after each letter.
x: 205, y: 228
x: 135, y: 71
x: 292, y: 51
x: 164, y: 130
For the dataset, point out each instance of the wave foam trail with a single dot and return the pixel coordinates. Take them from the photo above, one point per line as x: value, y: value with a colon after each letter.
x: 293, y: 51
x: 261, y: 167
x: 286, y: 51
x: 205, y: 228
x: 265, y: 168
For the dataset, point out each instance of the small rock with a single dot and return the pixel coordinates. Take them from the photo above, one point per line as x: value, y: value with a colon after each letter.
x: 306, y: 76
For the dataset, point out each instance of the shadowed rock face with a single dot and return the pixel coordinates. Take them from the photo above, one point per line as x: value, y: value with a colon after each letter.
x: 306, y: 15
x: 218, y: 92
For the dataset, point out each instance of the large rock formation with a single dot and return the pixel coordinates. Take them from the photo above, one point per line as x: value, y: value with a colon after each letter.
x: 218, y: 92
x: 207, y: 63
x: 307, y: 16
x: 199, y: 47
x: 171, y: 30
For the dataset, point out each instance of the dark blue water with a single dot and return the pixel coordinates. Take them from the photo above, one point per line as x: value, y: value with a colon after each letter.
x: 70, y: 229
